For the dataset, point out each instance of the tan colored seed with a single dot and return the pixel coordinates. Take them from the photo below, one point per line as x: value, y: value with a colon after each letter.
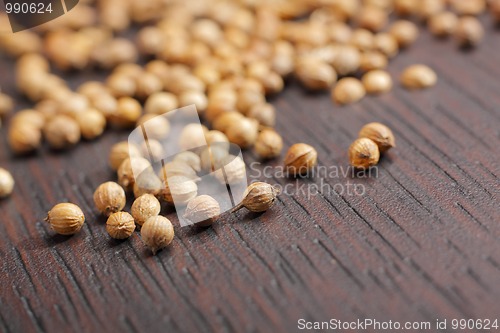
x: 130, y: 169
x: 127, y: 113
x: 222, y: 122
x: 442, y: 24
x: 265, y: 114
x: 24, y: 138
x: 144, y: 207
x: 157, y: 233
x: 243, y: 133
x: 418, y: 77
x: 157, y: 127
x: 300, y: 159
x: 468, y: 7
x: 109, y: 198
x: 152, y: 150
x: 160, y: 103
x: 347, y: 60
x: 405, y: 32
x: 380, y: 134
x: 258, y: 197
x: 178, y: 190
x: 377, y: 82
x: 66, y: 218
x: 373, y: 60
x: 469, y: 31
x: 232, y: 170
x: 189, y: 158
x: 62, y: 132
x: 315, y: 74
x: 372, y: 18
x: 120, y: 152
x: 6, y: 105
x: 386, y: 44
x: 269, y: 144
x: 202, y: 211
x: 193, y: 136
x: 120, y: 225
x: 6, y: 183
x: 348, y: 90
x: 363, y: 153
x: 92, y: 123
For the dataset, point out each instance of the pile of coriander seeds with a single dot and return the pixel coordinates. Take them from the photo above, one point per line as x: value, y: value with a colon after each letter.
x: 225, y: 57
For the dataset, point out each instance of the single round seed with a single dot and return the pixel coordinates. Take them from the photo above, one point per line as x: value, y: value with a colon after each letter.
x: 269, y: 144
x: 156, y: 126
x: 314, y: 74
x: 120, y: 152
x: 6, y: 183
x: 152, y: 150
x: 363, y: 153
x: 231, y: 170
x: 258, y: 197
x: 442, y: 24
x: 192, y: 136
x: 469, y: 31
x: 243, y: 133
x: 418, y: 77
x: 157, y: 233
x: 127, y: 113
x: 405, y: 32
x: 189, y: 158
x: 348, y: 90
x: 120, y: 225
x: 109, y: 198
x: 144, y: 207
x: 347, y: 60
x: 62, y: 132
x: 377, y: 82
x: 202, y: 211
x: 380, y: 134
x: 66, y: 218
x: 178, y: 190
x: 373, y: 60
x: 92, y: 123
x: 24, y: 138
x: 386, y: 44
x: 300, y: 159
x: 372, y: 18
x: 160, y: 103
x: 130, y: 169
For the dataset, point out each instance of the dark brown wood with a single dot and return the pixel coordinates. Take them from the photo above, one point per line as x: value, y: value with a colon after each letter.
x: 422, y: 243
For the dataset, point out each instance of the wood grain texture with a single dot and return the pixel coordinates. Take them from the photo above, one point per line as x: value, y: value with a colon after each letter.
x: 421, y: 244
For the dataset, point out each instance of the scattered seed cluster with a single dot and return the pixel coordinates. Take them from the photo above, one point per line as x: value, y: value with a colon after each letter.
x: 225, y: 57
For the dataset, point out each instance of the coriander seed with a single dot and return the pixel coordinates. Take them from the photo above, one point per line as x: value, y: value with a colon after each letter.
x: 92, y: 123
x: 178, y: 190
x: 258, y: 197
x: 66, y: 218
x: 348, y: 90
x: 380, y: 134
x: 347, y: 60
x: 222, y: 122
x: 442, y: 24
x: 128, y: 111
x: 160, y: 103
x: 264, y: 113
x: 129, y: 169
x: 315, y: 74
x: 243, y: 133
x: 177, y: 168
x: 120, y: 225
x: 372, y: 60
x: 377, y: 82
x: 120, y: 152
x: 6, y: 183
x: 363, y: 153
x: 269, y: 144
x: 62, y: 132
x: 193, y: 136
x: 157, y: 233
x: 152, y: 150
x: 469, y: 31
x: 418, y: 77
x: 405, y: 32
x: 211, y: 157
x: 144, y: 207
x: 300, y: 159
x: 372, y: 18
x: 156, y: 126
x: 109, y: 198
x: 24, y: 138
x: 6, y: 105
x: 189, y: 158
x: 232, y: 170
x: 202, y: 211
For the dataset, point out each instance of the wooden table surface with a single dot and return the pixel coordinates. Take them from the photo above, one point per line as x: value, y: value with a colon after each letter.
x: 421, y: 244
